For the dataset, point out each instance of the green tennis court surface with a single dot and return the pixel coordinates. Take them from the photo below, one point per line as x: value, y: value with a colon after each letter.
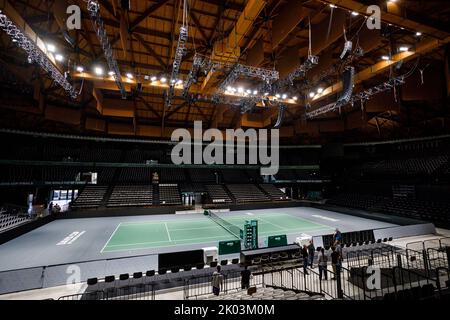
x: 158, y: 234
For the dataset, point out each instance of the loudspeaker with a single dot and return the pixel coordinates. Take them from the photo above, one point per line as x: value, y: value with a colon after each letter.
x: 280, y: 117
x: 348, y: 81
x: 347, y: 50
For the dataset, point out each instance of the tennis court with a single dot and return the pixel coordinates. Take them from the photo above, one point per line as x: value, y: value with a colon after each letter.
x: 151, y: 234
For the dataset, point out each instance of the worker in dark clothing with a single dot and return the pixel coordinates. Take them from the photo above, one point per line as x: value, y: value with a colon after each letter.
x: 245, y: 278
x: 305, y: 256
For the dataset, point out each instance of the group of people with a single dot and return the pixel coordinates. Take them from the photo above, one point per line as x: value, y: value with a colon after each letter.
x: 308, y: 255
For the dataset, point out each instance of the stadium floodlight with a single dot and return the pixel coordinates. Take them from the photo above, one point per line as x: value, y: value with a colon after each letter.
x: 59, y: 58
x: 93, y: 8
x: 35, y: 55
x: 80, y: 69
x: 153, y: 79
x: 163, y: 80
x: 51, y: 47
x: 320, y: 90
x: 129, y: 76
x: 99, y: 71
x: 312, y: 95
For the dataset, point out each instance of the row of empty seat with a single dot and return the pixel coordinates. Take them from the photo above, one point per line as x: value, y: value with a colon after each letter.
x: 435, y: 211
x: 131, y: 196
x: 247, y: 193
x: 90, y: 197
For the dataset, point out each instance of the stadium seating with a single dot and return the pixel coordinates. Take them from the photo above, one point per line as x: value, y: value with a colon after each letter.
x: 90, y: 197
x: 218, y: 194
x: 247, y: 193
x: 131, y: 196
x: 169, y: 194
x: 273, y: 192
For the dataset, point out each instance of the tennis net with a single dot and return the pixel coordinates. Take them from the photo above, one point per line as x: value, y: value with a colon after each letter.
x: 231, y: 228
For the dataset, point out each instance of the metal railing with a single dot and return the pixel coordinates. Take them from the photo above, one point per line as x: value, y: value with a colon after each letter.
x: 200, y: 286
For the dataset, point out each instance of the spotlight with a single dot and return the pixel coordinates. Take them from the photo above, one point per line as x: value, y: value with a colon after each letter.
x: 403, y: 49
x: 163, y: 80
x: 284, y: 96
x: 98, y: 71
x: 355, y: 14
x: 230, y: 89
x: 249, y: 91
x: 59, y: 58
x: 312, y: 94
x: 332, y: 6
x: 255, y: 92
x: 266, y: 94
x: 80, y: 69
x: 111, y: 73
x: 129, y: 76
x: 320, y: 90
x: 153, y: 79
x: 418, y: 34
x: 179, y: 81
x: 51, y: 47
x: 278, y: 96
x: 241, y: 90
x: 385, y: 58
x: 294, y: 98
x: 172, y: 81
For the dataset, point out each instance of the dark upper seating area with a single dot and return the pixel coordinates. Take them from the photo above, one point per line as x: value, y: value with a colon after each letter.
x: 247, y: 193
x: 131, y: 196
x: 90, y: 197
x: 273, y: 192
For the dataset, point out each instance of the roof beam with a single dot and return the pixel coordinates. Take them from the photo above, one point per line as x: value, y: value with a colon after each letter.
x: 422, y: 48
x: 393, y: 18
x: 146, y: 13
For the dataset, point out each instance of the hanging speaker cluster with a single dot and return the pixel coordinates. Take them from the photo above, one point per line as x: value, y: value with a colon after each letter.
x: 347, y: 50
x: 348, y: 82
x: 280, y: 120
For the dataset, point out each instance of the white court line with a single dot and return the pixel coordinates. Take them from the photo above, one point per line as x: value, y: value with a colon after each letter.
x: 268, y: 222
x: 115, y: 230
x: 167, y: 230
x: 192, y: 239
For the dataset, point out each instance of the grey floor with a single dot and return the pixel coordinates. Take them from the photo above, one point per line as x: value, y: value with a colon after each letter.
x: 85, y: 238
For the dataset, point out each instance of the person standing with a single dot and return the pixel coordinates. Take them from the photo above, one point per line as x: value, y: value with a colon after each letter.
x: 311, y: 253
x: 305, y: 256
x: 245, y: 278
x: 337, y: 236
x: 322, y: 261
x: 335, y: 262
x: 217, y: 281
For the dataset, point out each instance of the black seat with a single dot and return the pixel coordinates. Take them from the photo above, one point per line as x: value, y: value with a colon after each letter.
x: 162, y: 271
x: 390, y: 239
x: 379, y: 241
x: 124, y: 277
x: 213, y: 264
x: 224, y: 262
x: 92, y: 281
x: 137, y: 275
x: 200, y: 266
x: 385, y: 240
x: 109, y: 279
x: 235, y: 261
x: 150, y: 273
x: 187, y: 268
x: 175, y: 269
